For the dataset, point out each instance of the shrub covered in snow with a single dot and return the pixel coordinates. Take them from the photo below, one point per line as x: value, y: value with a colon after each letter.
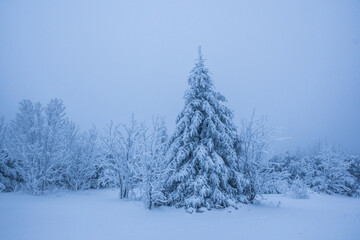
x: 353, y: 164
x: 255, y: 137
x: 298, y: 189
x: 326, y: 169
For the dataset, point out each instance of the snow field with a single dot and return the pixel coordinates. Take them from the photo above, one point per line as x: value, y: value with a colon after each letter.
x: 100, y: 214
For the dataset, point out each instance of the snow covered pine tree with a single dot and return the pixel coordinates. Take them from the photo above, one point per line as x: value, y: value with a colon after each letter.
x: 203, y: 153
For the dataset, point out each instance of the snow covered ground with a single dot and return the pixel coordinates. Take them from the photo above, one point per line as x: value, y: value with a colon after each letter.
x: 99, y: 214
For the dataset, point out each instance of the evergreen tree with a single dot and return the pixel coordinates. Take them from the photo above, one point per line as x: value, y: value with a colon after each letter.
x: 9, y: 177
x: 204, y: 150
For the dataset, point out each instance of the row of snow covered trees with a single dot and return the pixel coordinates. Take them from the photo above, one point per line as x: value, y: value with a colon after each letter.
x: 41, y: 151
x: 325, y: 168
x: 206, y: 163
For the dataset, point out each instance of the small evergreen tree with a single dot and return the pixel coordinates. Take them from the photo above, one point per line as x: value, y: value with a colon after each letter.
x: 204, y: 150
x: 9, y: 177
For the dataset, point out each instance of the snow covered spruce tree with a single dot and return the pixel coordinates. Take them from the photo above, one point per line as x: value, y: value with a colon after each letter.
x: 204, y: 150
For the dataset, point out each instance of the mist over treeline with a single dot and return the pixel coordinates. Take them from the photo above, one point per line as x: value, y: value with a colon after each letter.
x: 296, y: 61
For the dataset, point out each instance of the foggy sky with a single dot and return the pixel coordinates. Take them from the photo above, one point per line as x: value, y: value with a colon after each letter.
x: 298, y: 62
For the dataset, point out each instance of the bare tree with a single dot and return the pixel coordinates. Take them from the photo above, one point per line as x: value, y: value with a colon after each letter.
x: 256, y: 137
x: 153, y: 164
x: 121, y: 146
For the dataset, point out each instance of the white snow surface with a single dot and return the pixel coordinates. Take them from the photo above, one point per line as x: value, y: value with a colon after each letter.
x: 100, y: 214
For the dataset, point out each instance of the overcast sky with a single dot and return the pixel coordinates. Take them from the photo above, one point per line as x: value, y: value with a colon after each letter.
x: 298, y: 62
